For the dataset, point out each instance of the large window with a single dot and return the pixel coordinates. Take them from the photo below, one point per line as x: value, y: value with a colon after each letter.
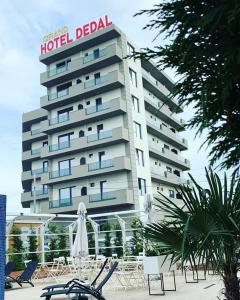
x: 171, y: 194
x: 135, y: 103
x: 140, y: 157
x: 133, y: 77
x: 65, y: 166
x: 63, y: 115
x: 137, y: 130
x: 142, y: 186
x: 64, y: 140
x: 130, y: 49
x: 66, y: 195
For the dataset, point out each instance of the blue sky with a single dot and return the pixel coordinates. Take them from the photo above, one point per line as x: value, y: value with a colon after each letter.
x: 22, y: 26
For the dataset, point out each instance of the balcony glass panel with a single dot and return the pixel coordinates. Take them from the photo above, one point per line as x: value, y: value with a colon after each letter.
x: 102, y: 196
x: 39, y: 171
x: 92, y: 56
x: 100, y: 165
x: 35, y: 131
x: 59, y: 119
x: 93, y: 82
x: 60, y: 203
x: 58, y: 70
x: 59, y: 146
x: 36, y: 151
x: 99, y: 136
x: 58, y: 94
x: 60, y: 173
x: 96, y: 108
x: 40, y: 192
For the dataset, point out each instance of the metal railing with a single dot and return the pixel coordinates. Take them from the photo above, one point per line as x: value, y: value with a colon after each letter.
x: 96, y: 108
x: 36, y: 131
x: 60, y: 173
x: 36, y: 151
x: 58, y: 70
x: 59, y: 146
x: 100, y: 165
x: 59, y: 119
x: 99, y: 136
x: 39, y: 192
x: 95, y: 81
x: 60, y: 203
x: 59, y: 94
x: 92, y: 56
x: 39, y: 171
x: 102, y: 196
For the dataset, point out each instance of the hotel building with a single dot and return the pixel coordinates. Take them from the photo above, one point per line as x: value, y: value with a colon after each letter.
x: 104, y: 133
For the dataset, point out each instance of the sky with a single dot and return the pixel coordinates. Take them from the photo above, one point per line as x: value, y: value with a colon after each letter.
x: 22, y: 26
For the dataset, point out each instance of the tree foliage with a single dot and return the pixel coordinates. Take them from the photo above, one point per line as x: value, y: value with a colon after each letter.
x: 136, y: 241
x: 91, y: 241
x: 33, y: 246
x: 107, y: 241
x: 118, y: 241
x: 206, y: 228
x: 17, y: 247
x: 202, y: 45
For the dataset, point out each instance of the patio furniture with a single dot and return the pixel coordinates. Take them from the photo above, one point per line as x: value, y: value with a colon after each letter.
x: 195, y: 272
x: 76, y: 280
x: 80, y: 289
x: 26, y: 275
x: 9, y: 267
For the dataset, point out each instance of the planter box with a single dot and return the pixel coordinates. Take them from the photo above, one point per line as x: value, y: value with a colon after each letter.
x: 154, y: 265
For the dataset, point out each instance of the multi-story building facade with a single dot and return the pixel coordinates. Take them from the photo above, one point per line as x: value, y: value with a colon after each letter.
x: 104, y: 134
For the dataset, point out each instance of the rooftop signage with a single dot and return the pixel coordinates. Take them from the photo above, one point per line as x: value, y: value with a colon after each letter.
x: 62, y: 37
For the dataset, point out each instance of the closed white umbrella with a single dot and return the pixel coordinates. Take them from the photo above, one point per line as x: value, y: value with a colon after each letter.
x: 80, y: 245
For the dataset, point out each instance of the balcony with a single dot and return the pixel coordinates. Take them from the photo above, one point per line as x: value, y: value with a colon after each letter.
x: 27, y: 197
x: 93, y: 141
x: 86, y: 171
x: 29, y: 137
x: 121, y: 199
x: 82, y: 65
x: 164, y: 113
x: 159, y: 90
x: 88, y: 89
x: 169, y: 157
x: 28, y: 175
x: 31, y: 154
x: 167, y: 178
x: 90, y: 114
x: 165, y: 134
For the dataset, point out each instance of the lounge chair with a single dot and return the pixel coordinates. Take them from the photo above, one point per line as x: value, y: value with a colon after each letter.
x: 26, y: 275
x: 79, y: 289
x: 8, y: 270
x: 76, y: 280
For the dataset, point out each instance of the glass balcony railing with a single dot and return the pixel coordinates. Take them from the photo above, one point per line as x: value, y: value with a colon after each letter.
x: 93, y: 56
x: 39, y: 192
x: 99, y: 136
x: 59, y: 119
x: 36, y: 151
x: 102, y: 196
x: 60, y: 173
x: 39, y: 171
x: 57, y: 95
x: 60, y: 203
x: 100, y: 165
x: 59, y: 146
x: 96, y: 81
x: 96, y: 108
x: 58, y: 70
x: 36, y: 131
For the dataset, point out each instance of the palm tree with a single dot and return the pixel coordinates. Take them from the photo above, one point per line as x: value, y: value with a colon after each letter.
x: 206, y: 227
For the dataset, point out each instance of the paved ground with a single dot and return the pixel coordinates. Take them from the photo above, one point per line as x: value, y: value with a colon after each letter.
x: 208, y: 290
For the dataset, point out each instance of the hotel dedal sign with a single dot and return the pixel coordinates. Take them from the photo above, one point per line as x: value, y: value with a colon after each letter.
x: 62, y: 37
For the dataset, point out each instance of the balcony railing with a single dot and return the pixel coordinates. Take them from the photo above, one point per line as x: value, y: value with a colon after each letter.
x: 59, y: 146
x: 60, y: 173
x: 99, y: 136
x: 58, y: 70
x: 39, y: 171
x: 102, y: 196
x: 100, y: 165
x: 60, y: 203
x: 96, y: 108
x: 39, y: 192
x: 36, y: 151
x: 59, y: 119
x: 95, y: 81
x: 35, y: 131
x: 58, y: 94
x: 93, y: 56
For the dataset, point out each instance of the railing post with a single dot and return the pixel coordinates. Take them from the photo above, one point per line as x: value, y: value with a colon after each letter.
x: 95, y: 227
x: 122, y: 224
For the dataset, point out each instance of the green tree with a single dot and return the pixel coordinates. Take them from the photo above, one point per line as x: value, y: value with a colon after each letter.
x: 200, y: 42
x: 33, y: 245
x: 62, y: 242
x: 53, y: 243
x: 137, y: 240
x: 107, y: 241
x: 17, y: 247
x: 205, y: 228
x: 118, y: 241
x: 91, y: 241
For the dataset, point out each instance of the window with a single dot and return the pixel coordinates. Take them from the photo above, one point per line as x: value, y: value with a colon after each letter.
x: 92, y: 184
x: 89, y: 128
x: 45, y: 189
x: 62, y: 90
x: 87, y: 77
x: 78, y: 81
x: 173, y: 130
x: 81, y: 133
x: 97, y: 78
x: 64, y: 167
x: 80, y: 106
x: 135, y: 103
x: 45, y: 166
x: 142, y: 186
x: 169, y: 170
x: 174, y: 151
x: 84, y: 191
x: 137, y: 130
x: 82, y: 161
x: 156, y: 163
x: 171, y: 193
x: 96, y: 53
x: 90, y: 155
x: 88, y: 102
x: 65, y: 196
x: 45, y: 143
x: 177, y: 173
x: 64, y: 140
x: 63, y: 115
x: 140, y: 157
x: 179, y: 196
x: 166, y: 147
x: 133, y: 77
x: 130, y: 49
x: 103, y: 188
